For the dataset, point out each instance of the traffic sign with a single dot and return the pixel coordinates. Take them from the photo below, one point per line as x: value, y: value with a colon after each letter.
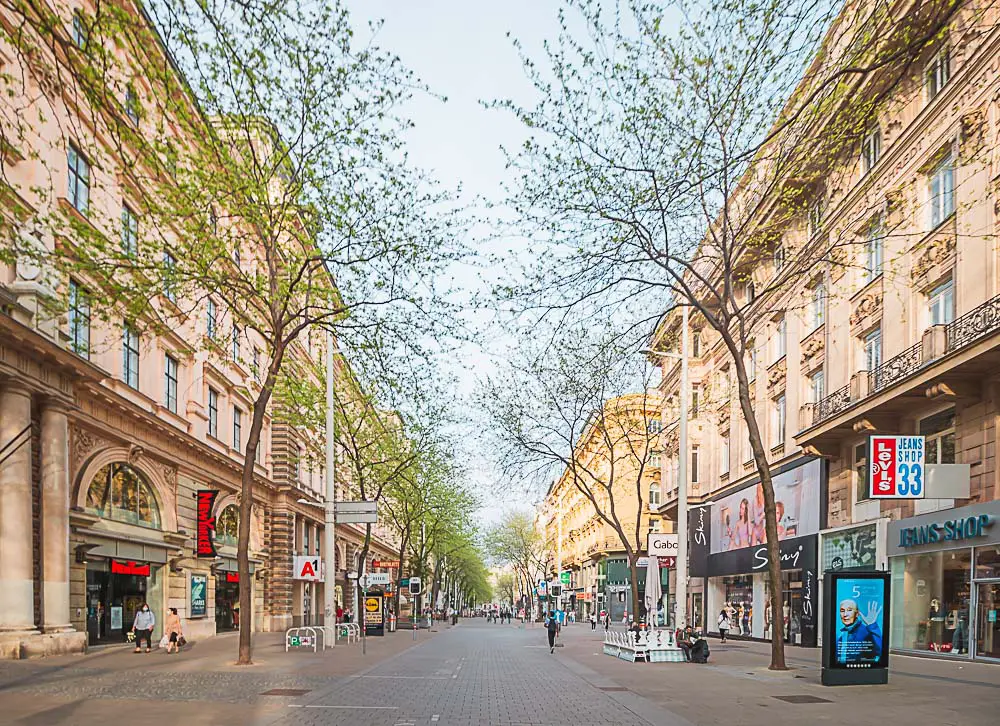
x: 897, y: 467
x: 377, y: 578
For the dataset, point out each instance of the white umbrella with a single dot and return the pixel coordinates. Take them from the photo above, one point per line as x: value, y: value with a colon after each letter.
x: 654, y: 592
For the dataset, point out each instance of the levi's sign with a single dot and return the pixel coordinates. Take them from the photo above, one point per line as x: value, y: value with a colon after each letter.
x: 897, y: 467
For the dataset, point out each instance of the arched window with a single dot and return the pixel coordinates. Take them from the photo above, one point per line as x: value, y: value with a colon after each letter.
x: 654, y: 494
x: 227, y: 526
x: 121, y: 493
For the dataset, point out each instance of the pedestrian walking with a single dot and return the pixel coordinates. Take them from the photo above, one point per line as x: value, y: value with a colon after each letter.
x: 143, y: 626
x: 724, y: 623
x: 172, y: 629
x: 552, y: 627
x: 607, y: 622
x: 593, y: 621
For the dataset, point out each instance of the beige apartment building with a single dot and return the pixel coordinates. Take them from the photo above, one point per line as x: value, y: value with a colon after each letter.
x: 108, y: 436
x: 899, y: 334
x: 617, y: 463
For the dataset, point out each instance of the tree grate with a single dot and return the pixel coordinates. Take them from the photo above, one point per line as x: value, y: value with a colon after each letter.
x: 611, y: 688
x: 286, y: 692
x: 803, y: 699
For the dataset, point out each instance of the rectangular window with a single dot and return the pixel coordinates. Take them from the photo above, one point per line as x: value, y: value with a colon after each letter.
x: 873, y: 349
x: 939, y: 431
x: 817, y: 387
x: 815, y: 218
x: 778, y: 421
x: 751, y: 363
x: 78, y: 190
x: 169, y: 274
x: 132, y: 104
x: 861, y: 471
x: 255, y: 364
x: 871, y: 150
x: 941, y: 191
x: 695, y: 400
x: 79, y: 319
x: 653, y: 426
x: 779, y: 258
x: 170, y: 383
x: 235, y: 352
x: 213, y: 413
x: 211, y: 321
x: 874, y: 242
x: 237, y: 428
x: 941, y: 303
x: 236, y: 256
x: 694, y: 464
x: 130, y: 356
x: 654, y: 460
x: 780, y: 333
x: 817, y: 306
x: 696, y: 344
x: 724, y: 455
x: 937, y: 74
x: 79, y: 31
x: 130, y: 232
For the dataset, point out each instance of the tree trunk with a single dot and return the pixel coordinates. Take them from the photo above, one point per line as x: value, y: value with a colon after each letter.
x: 399, y: 572
x: 770, y: 521
x: 246, y: 518
x: 363, y: 569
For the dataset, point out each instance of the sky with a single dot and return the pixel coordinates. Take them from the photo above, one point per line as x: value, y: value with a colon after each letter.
x: 461, y: 50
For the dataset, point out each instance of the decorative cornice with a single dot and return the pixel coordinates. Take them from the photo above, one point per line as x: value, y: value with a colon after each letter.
x: 869, y: 306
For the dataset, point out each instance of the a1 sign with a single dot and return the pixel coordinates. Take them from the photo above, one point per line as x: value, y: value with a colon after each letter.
x: 897, y: 467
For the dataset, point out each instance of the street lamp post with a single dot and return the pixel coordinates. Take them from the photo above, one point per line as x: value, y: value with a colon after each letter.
x: 329, y: 511
x: 680, y: 606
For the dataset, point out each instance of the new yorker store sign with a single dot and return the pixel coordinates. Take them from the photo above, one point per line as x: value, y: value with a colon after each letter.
x: 977, y: 524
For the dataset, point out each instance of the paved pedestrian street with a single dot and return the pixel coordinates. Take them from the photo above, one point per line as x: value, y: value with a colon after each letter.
x: 476, y: 674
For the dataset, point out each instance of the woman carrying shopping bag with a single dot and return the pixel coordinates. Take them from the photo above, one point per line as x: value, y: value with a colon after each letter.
x: 172, y: 631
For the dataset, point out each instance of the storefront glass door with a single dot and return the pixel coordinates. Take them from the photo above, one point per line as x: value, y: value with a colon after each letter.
x: 988, y: 620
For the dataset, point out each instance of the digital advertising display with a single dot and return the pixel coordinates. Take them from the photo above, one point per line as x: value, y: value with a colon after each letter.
x: 856, y: 640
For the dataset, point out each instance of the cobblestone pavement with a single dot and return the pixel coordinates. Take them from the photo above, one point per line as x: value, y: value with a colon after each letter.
x: 478, y: 674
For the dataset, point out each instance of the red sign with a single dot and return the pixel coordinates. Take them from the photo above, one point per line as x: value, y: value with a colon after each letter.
x: 232, y: 577
x: 205, y: 540
x: 668, y: 563
x: 386, y: 564
x: 129, y: 568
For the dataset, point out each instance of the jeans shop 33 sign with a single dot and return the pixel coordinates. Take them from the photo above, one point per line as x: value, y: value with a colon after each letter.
x: 897, y: 467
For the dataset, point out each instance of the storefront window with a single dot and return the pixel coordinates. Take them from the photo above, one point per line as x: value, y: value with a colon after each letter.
x: 987, y: 563
x: 940, y: 432
x: 930, y: 601
x: 739, y: 597
x: 227, y: 526
x: 119, y: 492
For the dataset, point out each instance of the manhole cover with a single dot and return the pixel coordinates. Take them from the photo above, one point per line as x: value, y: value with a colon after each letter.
x: 286, y: 692
x: 611, y: 688
x: 803, y: 699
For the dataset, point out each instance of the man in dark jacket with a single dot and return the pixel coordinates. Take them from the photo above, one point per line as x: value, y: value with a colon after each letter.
x: 552, y: 626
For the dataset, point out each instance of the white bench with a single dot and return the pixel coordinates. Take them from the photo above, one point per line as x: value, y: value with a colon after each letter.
x: 652, y: 647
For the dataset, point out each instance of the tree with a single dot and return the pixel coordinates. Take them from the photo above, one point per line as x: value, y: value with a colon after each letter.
x: 677, y: 150
x: 568, y: 415
x: 258, y: 145
x: 515, y: 542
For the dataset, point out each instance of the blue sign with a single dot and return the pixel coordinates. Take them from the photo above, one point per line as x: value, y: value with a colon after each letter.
x: 859, y: 622
x: 947, y: 531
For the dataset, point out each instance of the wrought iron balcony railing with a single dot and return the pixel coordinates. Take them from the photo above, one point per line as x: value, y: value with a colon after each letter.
x: 896, y: 368
x: 832, y: 404
x: 973, y: 325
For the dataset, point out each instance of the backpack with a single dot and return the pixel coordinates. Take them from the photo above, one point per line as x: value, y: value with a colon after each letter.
x: 700, y: 652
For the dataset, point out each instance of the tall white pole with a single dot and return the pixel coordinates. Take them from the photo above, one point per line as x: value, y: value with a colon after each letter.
x: 329, y: 518
x: 682, y: 484
x: 559, y: 555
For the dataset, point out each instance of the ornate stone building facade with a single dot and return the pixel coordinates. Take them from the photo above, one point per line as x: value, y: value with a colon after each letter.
x: 897, y: 333
x: 106, y: 436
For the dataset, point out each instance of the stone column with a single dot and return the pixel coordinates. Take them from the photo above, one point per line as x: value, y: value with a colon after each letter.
x: 55, y: 518
x: 16, y: 563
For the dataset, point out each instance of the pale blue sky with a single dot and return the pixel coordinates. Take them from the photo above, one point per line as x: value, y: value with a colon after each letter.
x: 460, y: 49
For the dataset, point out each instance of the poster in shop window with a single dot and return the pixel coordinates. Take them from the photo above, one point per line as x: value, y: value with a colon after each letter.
x: 199, y: 593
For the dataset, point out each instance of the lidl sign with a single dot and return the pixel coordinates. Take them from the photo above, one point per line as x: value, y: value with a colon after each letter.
x: 897, y: 467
